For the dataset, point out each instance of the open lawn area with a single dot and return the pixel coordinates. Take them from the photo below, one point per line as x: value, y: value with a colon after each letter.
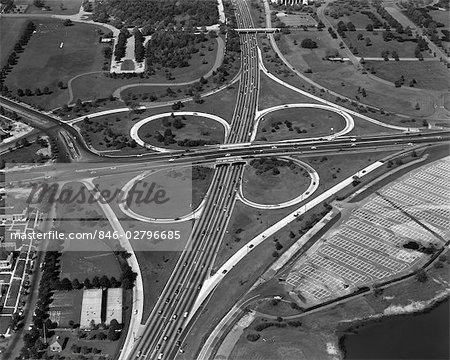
x: 403, y: 49
x: 280, y: 182
x: 87, y: 264
x: 272, y: 94
x: 55, y: 53
x: 172, y: 132
x: 25, y: 155
x: 431, y: 75
x: 441, y: 16
x: 101, y: 86
x: 10, y: 31
x: 57, y: 7
x: 295, y: 123
x: 156, y: 267
x: 359, y: 20
x: 345, y: 80
x: 111, y: 132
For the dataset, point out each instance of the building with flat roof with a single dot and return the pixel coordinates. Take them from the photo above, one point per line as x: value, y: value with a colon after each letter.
x: 91, y: 307
x: 6, y: 258
x: 114, y: 305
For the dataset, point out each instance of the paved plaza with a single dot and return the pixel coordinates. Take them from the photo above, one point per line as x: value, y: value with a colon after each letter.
x: 367, y: 245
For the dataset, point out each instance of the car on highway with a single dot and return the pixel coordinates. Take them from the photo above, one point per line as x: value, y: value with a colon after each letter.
x: 313, y: 147
x: 353, y: 139
x: 178, y: 343
x: 167, y: 300
x: 171, y: 159
x: 160, y: 356
x: 180, y: 329
x: 185, y: 315
x: 174, y: 316
x: 165, y: 338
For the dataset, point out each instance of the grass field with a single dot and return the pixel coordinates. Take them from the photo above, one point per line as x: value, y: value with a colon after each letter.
x: 44, y: 63
x: 87, y: 264
x: 272, y: 94
x: 431, y: 75
x: 358, y: 19
x: 195, y: 128
x: 220, y: 104
x: 10, y: 31
x: 403, y: 49
x: 306, y: 122
x: 441, y: 16
x: 25, y: 155
x: 100, y: 86
x: 332, y: 74
x: 57, y: 7
x: 267, y: 188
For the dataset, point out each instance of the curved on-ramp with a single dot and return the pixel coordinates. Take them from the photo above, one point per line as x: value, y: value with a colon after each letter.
x: 349, y: 122
x: 313, y: 185
x: 135, y: 129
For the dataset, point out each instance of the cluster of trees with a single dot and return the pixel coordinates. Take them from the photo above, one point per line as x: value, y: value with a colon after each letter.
x: 85, y: 350
x: 172, y: 48
x: 37, y: 92
x: 376, y: 23
x: 332, y: 32
x: 13, y: 56
x: 421, y: 17
x: 103, y: 282
x: 308, y: 44
x: 139, y: 49
x: 33, y: 346
x: 264, y: 325
x: 269, y: 164
x: 169, y: 138
x: 121, y: 45
x: 155, y: 13
x: 175, y: 121
x: 338, y: 9
x: 413, y: 245
x: 111, y: 138
x: 391, y: 22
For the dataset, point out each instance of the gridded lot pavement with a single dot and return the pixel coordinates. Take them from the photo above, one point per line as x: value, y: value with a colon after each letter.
x: 367, y: 246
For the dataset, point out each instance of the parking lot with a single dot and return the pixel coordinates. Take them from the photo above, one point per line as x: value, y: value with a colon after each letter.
x: 365, y: 247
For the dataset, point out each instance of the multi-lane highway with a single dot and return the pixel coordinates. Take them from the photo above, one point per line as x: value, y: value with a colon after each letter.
x: 164, y: 330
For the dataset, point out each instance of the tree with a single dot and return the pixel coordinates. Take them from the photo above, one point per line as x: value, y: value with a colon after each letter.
x: 46, y: 90
x: 87, y: 284
x: 113, y: 331
x: 107, y: 53
x: 20, y: 92
x: 308, y: 44
x: 368, y: 41
x: 66, y: 284
x: 67, y: 22
x: 96, y: 282
x: 421, y: 276
x: 76, y: 284
x: 369, y: 27
x: 38, y: 92
x: 105, y: 282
